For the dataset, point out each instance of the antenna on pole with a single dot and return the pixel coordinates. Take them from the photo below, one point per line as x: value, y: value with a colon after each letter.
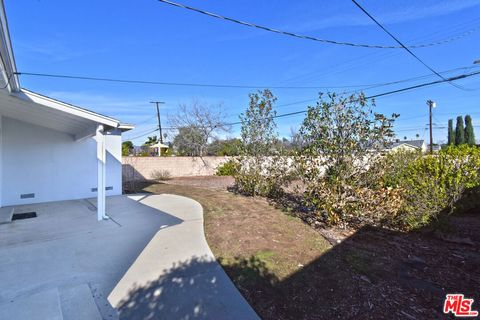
x: 158, y: 117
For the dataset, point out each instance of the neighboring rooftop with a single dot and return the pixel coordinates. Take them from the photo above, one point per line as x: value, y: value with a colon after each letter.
x: 414, y: 143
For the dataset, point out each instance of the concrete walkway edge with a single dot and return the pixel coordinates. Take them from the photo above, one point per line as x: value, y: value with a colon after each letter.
x: 178, y: 265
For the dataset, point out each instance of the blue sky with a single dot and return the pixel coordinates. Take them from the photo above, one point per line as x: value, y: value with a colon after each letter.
x: 149, y: 40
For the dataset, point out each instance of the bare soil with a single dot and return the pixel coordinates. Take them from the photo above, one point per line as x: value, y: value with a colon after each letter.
x: 206, y: 182
x: 287, y: 270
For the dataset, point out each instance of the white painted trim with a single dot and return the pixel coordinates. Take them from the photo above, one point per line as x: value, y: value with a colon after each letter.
x: 101, y: 177
x: 8, y: 59
x: 126, y: 127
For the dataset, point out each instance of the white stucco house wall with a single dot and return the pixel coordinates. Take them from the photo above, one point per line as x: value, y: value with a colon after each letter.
x: 51, y: 150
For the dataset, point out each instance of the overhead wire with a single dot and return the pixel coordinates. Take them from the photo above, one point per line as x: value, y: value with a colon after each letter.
x: 403, y: 45
x: 296, y: 35
x: 453, y: 78
x: 351, y: 64
x: 238, y: 86
x: 458, y: 77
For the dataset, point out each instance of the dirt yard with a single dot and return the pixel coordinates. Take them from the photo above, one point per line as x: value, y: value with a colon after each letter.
x: 287, y: 270
x: 206, y: 182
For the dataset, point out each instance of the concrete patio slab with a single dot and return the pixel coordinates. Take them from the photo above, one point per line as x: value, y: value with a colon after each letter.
x: 151, y: 259
x: 77, y: 303
x: 38, y: 306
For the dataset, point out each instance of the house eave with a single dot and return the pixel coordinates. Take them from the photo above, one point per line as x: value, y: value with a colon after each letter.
x: 9, y: 71
x: 67, y: 108
x: 126, y: 127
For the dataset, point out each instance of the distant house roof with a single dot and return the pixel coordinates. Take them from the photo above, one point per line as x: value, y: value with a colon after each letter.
x: 159, y: 145
x: 413, y: 143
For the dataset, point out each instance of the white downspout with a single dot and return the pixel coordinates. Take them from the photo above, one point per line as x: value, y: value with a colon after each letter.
x: 101, y: 163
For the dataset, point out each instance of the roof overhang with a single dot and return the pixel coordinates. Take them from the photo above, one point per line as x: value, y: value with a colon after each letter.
x: 28, y: 106
x: 9, y: 71
x: 43, y: 111
x: 126, y: 126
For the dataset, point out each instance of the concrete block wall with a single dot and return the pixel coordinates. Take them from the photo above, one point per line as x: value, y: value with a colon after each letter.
x: 141, y: 168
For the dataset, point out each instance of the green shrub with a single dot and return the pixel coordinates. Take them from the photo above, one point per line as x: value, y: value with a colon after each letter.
x: 229, y: 168
x: 262, y: 176
x: 394, y: 166
x: 434, y: 184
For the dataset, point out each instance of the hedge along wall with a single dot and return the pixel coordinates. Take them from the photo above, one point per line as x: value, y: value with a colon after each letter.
x: 142, y: 168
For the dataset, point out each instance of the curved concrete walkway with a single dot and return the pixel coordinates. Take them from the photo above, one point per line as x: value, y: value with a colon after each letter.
x: 176, y: 276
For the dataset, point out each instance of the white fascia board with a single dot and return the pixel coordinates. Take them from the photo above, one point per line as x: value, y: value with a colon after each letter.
x: 68, y: 108
x: 126, y: 127
x: 6, y: 52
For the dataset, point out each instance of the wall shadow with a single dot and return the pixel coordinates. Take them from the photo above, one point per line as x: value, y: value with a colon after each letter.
x: 131, y: 178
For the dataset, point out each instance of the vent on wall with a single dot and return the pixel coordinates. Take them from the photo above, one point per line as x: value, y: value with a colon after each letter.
x: 106, y: 188
x: 24, y: 215
x: 27, y: 195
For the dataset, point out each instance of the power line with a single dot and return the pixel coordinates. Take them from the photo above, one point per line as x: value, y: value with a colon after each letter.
x: 146, y: 120
x: 401, y: 44
x: 458, y: 77
x: 142, y: 135
x: 305, y: 37
x: 377, y: 56
x: 186, y: 84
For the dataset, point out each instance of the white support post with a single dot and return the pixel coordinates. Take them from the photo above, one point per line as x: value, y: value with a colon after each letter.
x: 101, y: 161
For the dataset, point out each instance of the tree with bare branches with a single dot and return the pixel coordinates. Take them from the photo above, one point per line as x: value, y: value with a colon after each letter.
x: 197, y: 124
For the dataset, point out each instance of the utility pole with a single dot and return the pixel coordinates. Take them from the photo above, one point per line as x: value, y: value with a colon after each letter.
x: 158, y: 117
x: 431, y: 105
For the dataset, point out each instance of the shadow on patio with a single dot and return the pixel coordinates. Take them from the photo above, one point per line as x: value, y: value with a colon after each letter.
x: 65, y: 246
x: 375, y: 273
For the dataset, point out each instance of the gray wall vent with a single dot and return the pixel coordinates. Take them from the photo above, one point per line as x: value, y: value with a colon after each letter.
x: 106, y: 188
x: 27, y: 195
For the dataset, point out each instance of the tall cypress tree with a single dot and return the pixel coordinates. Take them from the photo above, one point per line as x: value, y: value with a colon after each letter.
x: 459, y: 132
x: 451, y: 133
x: 469, y: 134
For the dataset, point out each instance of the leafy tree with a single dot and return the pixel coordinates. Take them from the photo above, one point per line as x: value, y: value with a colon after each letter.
x: 258, y: 130
x: 127, y: 147
x: 262, y: 170
x: 459, y: 132
x: 451, y: 133
x: 342, y: 135
x: 469, y: 134
x: 151, y: 141
x: 228, y: 147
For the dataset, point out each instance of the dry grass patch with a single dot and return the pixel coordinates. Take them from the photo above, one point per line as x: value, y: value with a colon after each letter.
x: 239, y: 227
